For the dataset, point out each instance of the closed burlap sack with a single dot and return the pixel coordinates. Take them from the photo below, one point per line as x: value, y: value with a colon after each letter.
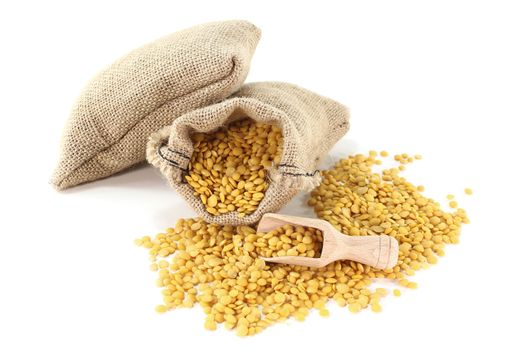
x: 310, y: 124
x: 146, y: 90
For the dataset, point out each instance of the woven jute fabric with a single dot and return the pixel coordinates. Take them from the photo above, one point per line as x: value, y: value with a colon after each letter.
x: 310, y: 124
x: 147, y: 89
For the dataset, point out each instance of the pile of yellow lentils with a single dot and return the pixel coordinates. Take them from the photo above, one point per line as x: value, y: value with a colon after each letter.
x: 228, y: 167
x: 219, y: 267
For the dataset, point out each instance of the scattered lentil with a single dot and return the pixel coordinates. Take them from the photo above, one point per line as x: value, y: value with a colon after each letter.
x: 218, y: 267
x: 324, y: 313
x: 161, y: 309
x: 376, y: 307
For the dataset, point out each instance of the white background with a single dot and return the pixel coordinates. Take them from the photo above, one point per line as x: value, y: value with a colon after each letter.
x: 444, y: 78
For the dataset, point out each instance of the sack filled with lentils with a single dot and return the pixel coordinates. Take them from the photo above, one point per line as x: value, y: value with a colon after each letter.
x: 249, y: 154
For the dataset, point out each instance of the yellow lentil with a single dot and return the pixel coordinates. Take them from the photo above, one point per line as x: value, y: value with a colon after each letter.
x: 161, y: 309
x: 210, y: 325
x: 376, y: 307
x: 412, y: 285
x: 468, y: 191
x: 354, y: 307
x: 242, y: 330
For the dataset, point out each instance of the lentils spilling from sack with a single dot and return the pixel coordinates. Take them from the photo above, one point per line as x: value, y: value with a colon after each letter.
x: 228, y: 167
x: 218, y: 267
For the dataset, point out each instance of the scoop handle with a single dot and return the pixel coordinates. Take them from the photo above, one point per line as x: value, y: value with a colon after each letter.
x: 380, y: 252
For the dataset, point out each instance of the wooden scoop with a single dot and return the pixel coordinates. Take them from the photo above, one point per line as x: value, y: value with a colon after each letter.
x: 379, y: 251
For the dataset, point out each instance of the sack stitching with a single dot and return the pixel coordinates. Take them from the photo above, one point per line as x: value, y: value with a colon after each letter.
x: 312, y: 174
x: 171, y: 162
x: 183, y: 155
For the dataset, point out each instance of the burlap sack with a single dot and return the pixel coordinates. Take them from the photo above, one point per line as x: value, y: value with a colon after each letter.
x: 146, y: 90
x: 311, y: 124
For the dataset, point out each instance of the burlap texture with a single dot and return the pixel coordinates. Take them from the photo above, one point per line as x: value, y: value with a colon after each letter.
x: 311, y: 124
x: 147, y: 89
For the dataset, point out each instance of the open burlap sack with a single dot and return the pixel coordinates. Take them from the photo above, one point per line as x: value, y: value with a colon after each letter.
x: 310, y: 124
x: 146, y: 90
